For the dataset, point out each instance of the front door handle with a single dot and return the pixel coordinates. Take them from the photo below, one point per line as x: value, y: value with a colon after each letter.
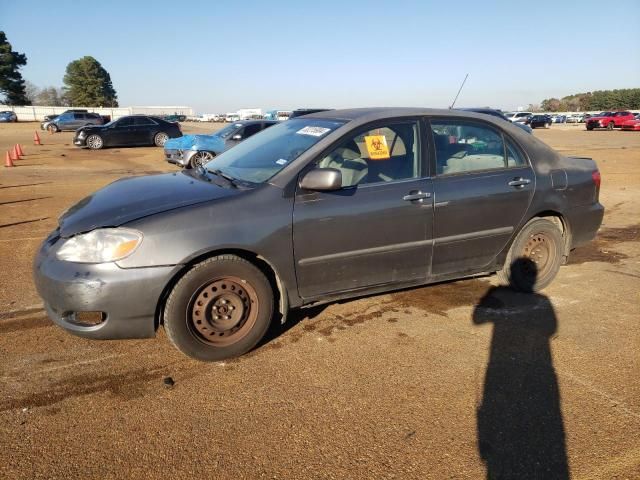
x: 519, y: 182
x: 416, y: 196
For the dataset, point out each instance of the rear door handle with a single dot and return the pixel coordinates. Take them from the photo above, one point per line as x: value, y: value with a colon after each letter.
x: 416, y: 196
x: 519, y: 182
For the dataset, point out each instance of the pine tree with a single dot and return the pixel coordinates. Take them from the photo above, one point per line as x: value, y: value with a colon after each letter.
x: 11, y: 82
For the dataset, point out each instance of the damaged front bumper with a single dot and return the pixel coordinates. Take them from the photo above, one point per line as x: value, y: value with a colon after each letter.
x: 179, y: 157
x: 99, y: 301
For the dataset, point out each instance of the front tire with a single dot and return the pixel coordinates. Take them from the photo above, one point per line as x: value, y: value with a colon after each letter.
x: 200, y: 158
x: 535, y: 256
x: 221, y: 308
x: 53, y: 128
x: 94, y: 142
x: 160, y: 139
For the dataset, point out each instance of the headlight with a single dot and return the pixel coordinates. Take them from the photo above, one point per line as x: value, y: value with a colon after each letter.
x: 99, y: 246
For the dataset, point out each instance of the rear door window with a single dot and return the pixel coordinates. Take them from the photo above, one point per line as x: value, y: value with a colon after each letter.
x: 142, y: 121
x: 462, y: 146
x: 125, y: 122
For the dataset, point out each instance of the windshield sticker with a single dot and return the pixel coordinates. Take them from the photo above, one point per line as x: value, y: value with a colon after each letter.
x: 313, y: 131
x: 377, y: 147
x: 282, y: 161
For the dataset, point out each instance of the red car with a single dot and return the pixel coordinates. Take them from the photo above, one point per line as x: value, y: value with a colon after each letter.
x: 632, y: 124
x: 609, y: 120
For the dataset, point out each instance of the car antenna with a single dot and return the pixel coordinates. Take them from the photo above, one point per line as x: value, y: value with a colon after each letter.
x: 454, y: 100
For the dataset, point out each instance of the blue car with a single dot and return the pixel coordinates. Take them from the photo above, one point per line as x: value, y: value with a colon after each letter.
x: 8, y: 116
x: 190, y: 151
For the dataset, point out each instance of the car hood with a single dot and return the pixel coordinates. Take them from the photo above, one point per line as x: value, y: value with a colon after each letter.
x: 89, y: 128
x: 132, y: 198
x: 631, y: 122
x: 210, y: 143
x: 600, y: 118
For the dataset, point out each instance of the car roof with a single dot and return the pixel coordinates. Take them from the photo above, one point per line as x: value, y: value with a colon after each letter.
x: 252, y: 121
x: 380, y: 113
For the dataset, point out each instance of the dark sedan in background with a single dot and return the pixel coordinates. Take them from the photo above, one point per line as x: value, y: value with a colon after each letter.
x: 327, y: 206
x: 189, y: 151
x: 130, y: 131
x: 537, y: 121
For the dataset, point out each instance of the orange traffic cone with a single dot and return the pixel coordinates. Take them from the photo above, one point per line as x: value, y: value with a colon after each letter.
x: 36, y: 138
x: 8, y: 162
x: 20, y: 151
x: 13, y: 154
x: 16, y: 152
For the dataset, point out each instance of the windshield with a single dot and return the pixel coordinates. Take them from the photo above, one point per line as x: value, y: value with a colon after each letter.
x: 260, y: 157
x: 604, y: 114
x: 228, y: 130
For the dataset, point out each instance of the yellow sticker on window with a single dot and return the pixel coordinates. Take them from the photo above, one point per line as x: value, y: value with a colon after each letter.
x: 377, y: 147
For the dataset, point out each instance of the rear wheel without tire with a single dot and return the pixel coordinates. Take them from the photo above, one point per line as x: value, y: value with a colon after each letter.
x: 160, y: 139
x: 200, y: 158
x: 52, y: 128
x: 610, y: 126
x: 535, y: 256
x: 94, y: 142
x: 221, y: 308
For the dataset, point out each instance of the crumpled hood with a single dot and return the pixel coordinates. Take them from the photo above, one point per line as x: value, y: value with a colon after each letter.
x: 132, y: 198
x: 211, y: 143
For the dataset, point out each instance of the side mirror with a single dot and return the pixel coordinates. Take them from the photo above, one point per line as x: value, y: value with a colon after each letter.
x: 237, y: 136
x: 322, y: 179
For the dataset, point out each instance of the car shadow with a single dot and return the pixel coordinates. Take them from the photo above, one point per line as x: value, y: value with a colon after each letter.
x: 294, y: 317
x: 519, y: 421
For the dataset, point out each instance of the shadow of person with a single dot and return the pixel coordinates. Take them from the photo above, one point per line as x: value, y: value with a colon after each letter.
x: 520, y: 428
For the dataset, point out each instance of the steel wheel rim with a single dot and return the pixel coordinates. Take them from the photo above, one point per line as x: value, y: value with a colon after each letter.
x: 541, y: 250
x: 161, y: 139
x: 223, y: 311
x: 94, y: 141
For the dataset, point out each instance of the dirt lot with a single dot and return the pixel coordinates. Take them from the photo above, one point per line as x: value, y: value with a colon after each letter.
x: 440, y: 382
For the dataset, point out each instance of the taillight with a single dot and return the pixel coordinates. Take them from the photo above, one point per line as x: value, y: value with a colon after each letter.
x: 596, y: 178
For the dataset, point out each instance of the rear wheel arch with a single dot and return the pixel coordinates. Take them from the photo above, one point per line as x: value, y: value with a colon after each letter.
x: 265, y: 266
x: 562, y: 224
x: 552, y: 215
x: 535, y: 253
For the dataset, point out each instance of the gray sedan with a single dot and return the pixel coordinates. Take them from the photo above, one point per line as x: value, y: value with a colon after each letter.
x: 327, y: 206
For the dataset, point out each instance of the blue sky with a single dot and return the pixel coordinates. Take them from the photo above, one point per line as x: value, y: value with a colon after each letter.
x: 221, y: 56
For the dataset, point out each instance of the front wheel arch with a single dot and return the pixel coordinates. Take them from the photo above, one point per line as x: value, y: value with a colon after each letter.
x: 265, y: 266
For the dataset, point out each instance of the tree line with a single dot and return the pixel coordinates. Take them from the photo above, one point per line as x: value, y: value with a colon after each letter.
x: 86, y: 83
x: 621, y: 99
